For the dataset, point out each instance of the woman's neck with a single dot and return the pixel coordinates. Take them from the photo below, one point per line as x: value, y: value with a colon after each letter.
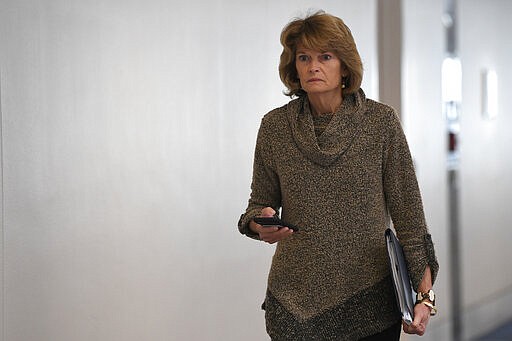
x: 324, y: 104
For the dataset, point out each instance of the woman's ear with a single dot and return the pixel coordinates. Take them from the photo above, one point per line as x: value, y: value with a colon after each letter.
x: 344, y: 71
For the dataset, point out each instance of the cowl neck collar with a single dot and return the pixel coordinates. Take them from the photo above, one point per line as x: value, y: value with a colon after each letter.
x: 339, y: 134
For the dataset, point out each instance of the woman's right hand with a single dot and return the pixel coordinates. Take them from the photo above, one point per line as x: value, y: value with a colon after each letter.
x: 271, y: 234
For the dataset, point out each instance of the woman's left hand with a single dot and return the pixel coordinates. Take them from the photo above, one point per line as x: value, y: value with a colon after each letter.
x: 421, y: 318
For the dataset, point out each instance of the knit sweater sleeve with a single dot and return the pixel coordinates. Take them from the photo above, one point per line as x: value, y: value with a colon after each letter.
x: 265, y: 188
x: 405, y: 205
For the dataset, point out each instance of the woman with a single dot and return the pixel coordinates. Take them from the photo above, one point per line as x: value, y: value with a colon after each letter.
x: 339, y: 167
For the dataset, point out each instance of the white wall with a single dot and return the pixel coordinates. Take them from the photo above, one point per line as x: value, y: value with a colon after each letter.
x: 486, y: 166
x: 128, y: 133
x: 485, y: 185
x: 423, y: 52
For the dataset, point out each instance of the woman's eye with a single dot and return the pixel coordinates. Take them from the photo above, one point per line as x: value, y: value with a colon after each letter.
x: 302, y: 58
x: 326, y: 57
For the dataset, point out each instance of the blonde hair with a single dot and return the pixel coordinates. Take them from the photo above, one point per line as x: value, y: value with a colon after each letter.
x: 321, y: 32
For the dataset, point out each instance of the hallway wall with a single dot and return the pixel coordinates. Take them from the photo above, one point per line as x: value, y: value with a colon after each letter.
x: 423, y: 52
x: 128, y: 130
x: 486, y: 165
x: 128, y: 135
x: 485, y: 184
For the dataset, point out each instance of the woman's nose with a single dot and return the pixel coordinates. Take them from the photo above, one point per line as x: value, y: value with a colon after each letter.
x: 313, y: 67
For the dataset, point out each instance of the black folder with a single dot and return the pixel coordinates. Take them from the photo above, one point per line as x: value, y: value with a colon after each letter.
x: 401, y: 281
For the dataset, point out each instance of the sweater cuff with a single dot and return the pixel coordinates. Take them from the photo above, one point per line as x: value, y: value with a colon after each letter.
x: 243, y: 225
x: 425, y: 256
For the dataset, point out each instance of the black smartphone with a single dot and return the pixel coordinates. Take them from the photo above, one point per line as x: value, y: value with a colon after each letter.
x: 274, y: 221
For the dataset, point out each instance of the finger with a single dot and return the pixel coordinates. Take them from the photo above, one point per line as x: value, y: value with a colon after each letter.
x: 276, y: 235
x: 268, y: 212
x: 415, y: 328
x: 283, y: 232
x: 258, y: 228
x: 267, y: 232
x: 410, y: 328
x: 406, y: 327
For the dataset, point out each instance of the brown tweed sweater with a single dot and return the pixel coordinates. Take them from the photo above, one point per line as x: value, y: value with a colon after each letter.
x: 330, y: 280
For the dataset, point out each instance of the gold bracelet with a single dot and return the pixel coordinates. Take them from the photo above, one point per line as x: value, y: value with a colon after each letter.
x: 433, y: 309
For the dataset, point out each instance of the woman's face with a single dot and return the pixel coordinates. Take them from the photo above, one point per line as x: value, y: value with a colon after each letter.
x: 319, y: 72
